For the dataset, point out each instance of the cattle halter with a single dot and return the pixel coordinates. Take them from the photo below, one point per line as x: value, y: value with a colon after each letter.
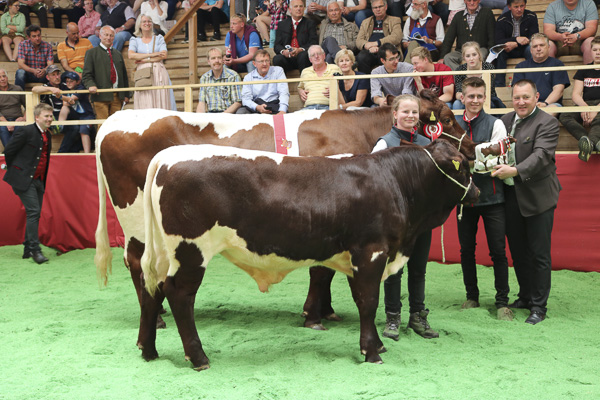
x: 466, y: 188
x: 455, y: 138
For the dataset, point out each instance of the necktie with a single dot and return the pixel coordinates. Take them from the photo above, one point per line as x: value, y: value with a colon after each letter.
x: 113, y: 71
x: 294, y: 37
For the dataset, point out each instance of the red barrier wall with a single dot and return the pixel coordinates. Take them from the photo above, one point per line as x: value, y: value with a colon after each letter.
x: 70, y: 214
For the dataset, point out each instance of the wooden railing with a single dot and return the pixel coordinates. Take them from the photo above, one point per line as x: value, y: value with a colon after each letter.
x: 32, y: 99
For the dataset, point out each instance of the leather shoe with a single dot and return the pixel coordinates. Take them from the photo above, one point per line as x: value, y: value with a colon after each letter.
x: 519, y: 303
x: 535, y: 317
x: 38, y: 257
x: 26, y: 254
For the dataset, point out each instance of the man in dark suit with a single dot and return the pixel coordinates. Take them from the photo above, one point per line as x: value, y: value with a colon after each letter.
x: 530, y: 203
x: 293, y: 38
x: 104, y: 68
x: 27, y: 159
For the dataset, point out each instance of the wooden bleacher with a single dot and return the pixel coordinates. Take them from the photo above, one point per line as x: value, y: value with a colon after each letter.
x: 177, y: 65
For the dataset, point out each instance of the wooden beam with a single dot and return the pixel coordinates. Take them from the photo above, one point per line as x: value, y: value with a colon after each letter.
x: 193, y: 49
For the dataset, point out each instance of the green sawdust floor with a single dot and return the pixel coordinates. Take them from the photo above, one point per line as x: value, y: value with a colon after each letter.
x: 63, y: 338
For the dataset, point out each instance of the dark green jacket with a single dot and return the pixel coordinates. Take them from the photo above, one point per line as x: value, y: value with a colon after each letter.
x: 483, y: 31
x: 96, y: 72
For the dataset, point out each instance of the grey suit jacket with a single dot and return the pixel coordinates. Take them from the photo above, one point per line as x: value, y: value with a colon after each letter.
x: 537, y: 185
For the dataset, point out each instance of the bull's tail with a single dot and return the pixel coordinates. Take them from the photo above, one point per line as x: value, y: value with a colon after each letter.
x: 103, y: 258
x: 148, y: 260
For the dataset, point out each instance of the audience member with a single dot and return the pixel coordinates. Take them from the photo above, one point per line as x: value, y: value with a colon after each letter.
x: 120, y: 17
x: 73, y: 9
x: 157, y: 10
x: 353, y: 92
x: 381, y: 88
x: 316, y: 10
x: 215, y: 12
x: 571, y: 26
x: 278, y: 12
x: 240, y: 51
x: 473, y: 62
x: 550, y: 84
x: 71, y: 52
x: 12, y: 26
x: 350, y: 9
x: 51, y: 94
x: 38, y: 8
x: 149, y: 51
x: 33, y: 57
x: 263, y: 23
x: 477, y: 24
x: 514, y: 29
x: 267, y: 98
x: 585, y: 126
x: 104, y: 68
x: 405, y: 109
x: 482, y: 127
x: 531, y: 202
x: 315, y: 94
x: 27, y: 159
x: 217, y: 99
x: 442, y: 85
x: 294, y: 35
x: 374, y: 32
x: 422, y: 28
x: 12, y: 107
x: 87, y: 23
x: 78, y: 107
x: 336, y: 33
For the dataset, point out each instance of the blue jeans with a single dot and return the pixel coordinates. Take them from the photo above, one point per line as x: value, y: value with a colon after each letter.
x: 118, y: 43
x: 498, y: 4
x: 5, y: 134
x: 22, y: 77
x: 362, y: 15
x: 317, y: 107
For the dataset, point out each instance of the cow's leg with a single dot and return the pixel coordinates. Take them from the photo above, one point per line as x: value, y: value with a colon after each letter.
x: 180, y: 291
x: 318, y: 300
x: 365, y: 292
x: 147, y: 335
x: 135, y: 250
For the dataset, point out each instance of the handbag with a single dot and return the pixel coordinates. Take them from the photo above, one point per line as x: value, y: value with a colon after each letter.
x: 144, y: 77
x: 64, y: 4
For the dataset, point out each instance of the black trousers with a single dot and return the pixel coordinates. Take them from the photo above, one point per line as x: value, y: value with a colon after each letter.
x: 215, y: 16
x: 417, y: 266
x: 299, y: 62
x: 529, y: 240
x: 366, y: 61
x: 73, y: 14
x: 494, y: 222
x: 32, y: 199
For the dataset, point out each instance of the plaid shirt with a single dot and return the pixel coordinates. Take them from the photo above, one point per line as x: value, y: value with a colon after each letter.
x: 337, y: 32
x: 278, y: 14
x: 36, y: 59
x: 471, y: 17
x: 219, y: 98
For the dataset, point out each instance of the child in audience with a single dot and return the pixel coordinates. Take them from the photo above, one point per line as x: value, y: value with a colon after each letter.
x: 79, y: 104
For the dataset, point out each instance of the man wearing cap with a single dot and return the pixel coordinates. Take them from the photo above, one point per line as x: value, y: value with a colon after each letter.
x: 27, y: 160
x: 104, y: 68
x: 51, y: 94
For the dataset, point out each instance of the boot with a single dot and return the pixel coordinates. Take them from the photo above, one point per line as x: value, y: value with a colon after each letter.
x: 392, y: 323
x: 418, y: 323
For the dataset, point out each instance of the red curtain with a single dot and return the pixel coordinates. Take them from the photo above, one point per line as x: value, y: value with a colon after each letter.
x: 70, y: 214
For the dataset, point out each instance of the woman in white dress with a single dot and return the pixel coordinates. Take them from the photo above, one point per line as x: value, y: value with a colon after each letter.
x: 149, y: 51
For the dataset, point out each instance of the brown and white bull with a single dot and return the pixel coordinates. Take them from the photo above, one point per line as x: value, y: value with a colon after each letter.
x: 270, y: 214
x: 129, y: 139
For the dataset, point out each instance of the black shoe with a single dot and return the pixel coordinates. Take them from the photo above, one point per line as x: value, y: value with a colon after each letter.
x: 265, y: 43
x: 216, y: 36
x: 26, y: 254
x: 202, y: 37
x: 519, y: 303
x: 38, y: 257
x: 535, y: 317
x: 585, y: 148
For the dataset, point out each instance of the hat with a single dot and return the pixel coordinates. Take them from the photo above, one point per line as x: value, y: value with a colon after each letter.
x: 52, y: 68
x: 70, y: 75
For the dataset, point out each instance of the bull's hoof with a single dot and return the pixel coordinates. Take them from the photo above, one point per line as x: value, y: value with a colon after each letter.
x: 333, y: 317
x: 372, y: 358
x: 382, y: 349
x: 160, y: 323
x: 148, y: 355
x: 316, y: 327
x: 202, y: 367
x: 304, y: 314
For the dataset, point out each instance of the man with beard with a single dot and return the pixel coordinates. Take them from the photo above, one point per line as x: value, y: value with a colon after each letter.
x: 424, y: 25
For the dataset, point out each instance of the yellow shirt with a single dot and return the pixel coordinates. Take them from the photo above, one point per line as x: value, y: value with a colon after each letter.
x: 316, y: 88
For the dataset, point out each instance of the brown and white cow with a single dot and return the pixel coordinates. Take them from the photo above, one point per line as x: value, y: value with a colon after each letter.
x: 129, y: 139
x: 270, y: 214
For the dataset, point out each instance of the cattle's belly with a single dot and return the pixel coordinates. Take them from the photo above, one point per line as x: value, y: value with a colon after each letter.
x: 264, y: 269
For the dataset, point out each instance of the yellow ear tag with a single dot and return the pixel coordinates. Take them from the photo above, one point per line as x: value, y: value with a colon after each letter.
x: 456, y: 164
x: 432, y: 117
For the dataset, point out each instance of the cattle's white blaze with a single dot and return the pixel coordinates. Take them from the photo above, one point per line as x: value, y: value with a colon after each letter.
x: 394, y: 266
x: 177, y: 154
